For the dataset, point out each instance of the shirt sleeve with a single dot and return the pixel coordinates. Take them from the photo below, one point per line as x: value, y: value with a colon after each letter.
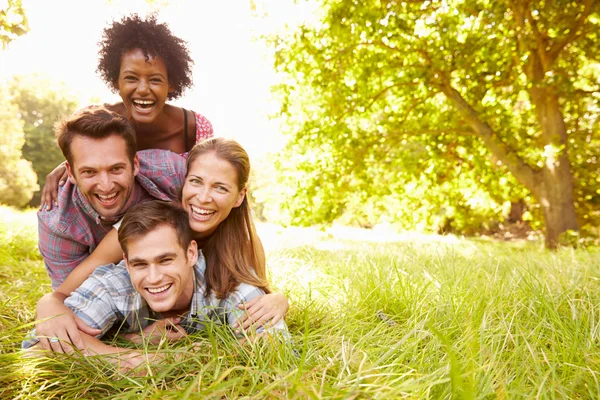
x: 93, y: 303
x: 243, y: 294
x: 61, y: 254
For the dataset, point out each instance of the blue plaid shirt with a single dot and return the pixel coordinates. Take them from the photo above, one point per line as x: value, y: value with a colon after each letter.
x: 107, y: 299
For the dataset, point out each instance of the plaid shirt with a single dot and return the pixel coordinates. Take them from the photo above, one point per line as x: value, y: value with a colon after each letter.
x: 70, y: 232
x: 107, y: 299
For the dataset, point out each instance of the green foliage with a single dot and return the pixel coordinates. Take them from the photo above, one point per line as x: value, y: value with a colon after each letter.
x: 369, y: 95
x: 422, y: 317
x: 17, y: 179
x: 41, y: 102
x: 13, y: 22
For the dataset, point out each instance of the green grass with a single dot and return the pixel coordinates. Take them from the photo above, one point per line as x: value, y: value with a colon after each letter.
x: 421, y: 317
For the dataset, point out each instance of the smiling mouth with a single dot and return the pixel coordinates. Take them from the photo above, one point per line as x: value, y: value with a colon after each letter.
x: 108, y: 199
x: 159, y: 290
x: 143, y: 104
x: 201, y: 213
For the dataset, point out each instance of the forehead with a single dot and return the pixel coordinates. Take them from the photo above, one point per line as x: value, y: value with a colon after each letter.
x: 211, y: 167
x: 159, y: 241
x: 135, y: 59
x: 98, y: 153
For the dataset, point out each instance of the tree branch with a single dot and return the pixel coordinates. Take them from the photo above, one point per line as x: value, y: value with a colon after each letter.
x: 515, y: 164
x: 572, y: 35
x: 386, y: 89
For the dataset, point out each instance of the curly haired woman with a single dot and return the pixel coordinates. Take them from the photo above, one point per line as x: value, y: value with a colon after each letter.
x: 147, y: 65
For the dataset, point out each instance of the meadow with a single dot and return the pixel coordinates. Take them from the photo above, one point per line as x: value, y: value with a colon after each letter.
x: 372, y: 316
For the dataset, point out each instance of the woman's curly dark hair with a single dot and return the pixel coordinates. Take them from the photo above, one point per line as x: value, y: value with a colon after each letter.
x: 154, y: 39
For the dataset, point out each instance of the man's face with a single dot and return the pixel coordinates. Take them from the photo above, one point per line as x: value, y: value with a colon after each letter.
x: 103, y: 173
x: 161, y: 271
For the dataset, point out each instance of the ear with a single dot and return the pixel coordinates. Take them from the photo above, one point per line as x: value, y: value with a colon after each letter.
x: 171, y: 88
x: 126, y: 262
x: 70, y: 173
x: 192, y: 253
x: 136, y: 165
x: 240, y: 197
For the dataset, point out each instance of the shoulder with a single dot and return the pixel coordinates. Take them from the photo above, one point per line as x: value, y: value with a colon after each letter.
x: 204, y: 128
x: 111, y: 278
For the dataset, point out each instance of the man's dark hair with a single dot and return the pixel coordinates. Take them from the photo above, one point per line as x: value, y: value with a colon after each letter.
x: 145, y: 217
x: 96, y: 123
x: 153, y: 39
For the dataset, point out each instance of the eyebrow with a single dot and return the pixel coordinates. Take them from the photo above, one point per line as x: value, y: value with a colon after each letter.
x: 214, y: 183
x: 129, y: 71
x: 84, y: 167
x: 157, y: 258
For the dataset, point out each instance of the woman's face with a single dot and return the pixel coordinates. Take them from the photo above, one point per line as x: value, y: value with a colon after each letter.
x: 143, y: 85
x: 210, y: 192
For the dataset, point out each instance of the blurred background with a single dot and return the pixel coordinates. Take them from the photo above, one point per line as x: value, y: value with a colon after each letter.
x: 450, y: 117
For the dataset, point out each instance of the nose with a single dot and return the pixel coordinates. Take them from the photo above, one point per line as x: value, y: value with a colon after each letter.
x: 154, y: 274
x: 204, y: 195
x: 142, y: 87
x: 104, y: 182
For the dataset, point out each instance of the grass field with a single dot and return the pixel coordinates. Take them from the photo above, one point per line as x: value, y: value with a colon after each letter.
x: 419, y: 317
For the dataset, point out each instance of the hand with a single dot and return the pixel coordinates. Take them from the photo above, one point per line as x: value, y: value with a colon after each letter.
x: 59, y: 330
x: 54, y: 179
x: 260, y: 311
x: 167, y: 328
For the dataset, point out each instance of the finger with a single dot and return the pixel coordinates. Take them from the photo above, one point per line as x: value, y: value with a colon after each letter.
x: 62, y: 182
x: 175, y: 334
x: 76, y: 339
x: 258, y: 321
x: 249, y: 314
x: 82, y: 326
x: 173, y: 321
x: 44, y: 344
x: 276, y: 318
x: 55, y: 346
x: 250, y: 303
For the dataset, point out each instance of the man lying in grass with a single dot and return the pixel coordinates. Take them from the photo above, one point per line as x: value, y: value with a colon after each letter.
x: 162, y: 277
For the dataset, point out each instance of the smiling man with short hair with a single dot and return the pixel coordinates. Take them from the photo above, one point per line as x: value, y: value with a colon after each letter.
x: 162, y: 276
x: 106, y: 178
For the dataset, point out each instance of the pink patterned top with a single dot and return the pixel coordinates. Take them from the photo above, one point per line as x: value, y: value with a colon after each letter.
x: 204, y: 130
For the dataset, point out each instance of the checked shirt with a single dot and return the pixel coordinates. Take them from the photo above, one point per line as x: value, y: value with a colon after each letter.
x: 107, y: 299
x: 70, y: 232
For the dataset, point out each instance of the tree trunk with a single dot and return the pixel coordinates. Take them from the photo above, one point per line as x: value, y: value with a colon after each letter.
x: 555, y: 192
x: 553, y: 184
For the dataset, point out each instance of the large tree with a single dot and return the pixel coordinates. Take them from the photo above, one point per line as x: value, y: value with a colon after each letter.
x: 40, y: 101
x: 490, y: 84
x: 17, y: 179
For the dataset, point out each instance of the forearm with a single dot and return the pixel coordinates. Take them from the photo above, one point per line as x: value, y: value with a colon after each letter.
x: 108, y: 251
x: 51, y: 304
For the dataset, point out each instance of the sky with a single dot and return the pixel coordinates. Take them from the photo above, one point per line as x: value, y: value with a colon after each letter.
x: 232, y: 69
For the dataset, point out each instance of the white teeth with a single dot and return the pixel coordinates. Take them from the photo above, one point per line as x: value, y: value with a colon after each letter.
x: 160, y: 289
x: 145, y: 102
x: 201, y: 211
x: 108, y: 197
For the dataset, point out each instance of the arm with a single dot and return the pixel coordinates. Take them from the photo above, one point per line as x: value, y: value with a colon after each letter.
x: 124, y: 359
x: 61, y: 252
x: 234, y: 307
x: 54, y: 179
x: 57, y: 320
x: 108, y: 251
x: 268, y: 308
